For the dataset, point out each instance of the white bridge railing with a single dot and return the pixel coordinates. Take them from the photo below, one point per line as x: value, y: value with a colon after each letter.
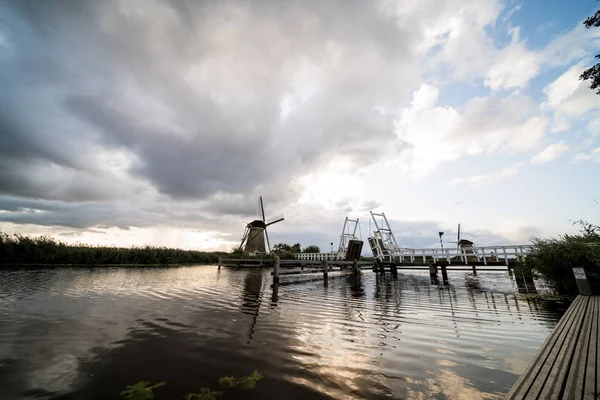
x: 464, y: 255
x: 317, y: 256
x: 452, y: 255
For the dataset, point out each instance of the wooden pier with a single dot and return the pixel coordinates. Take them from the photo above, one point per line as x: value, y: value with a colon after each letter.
x: 566, y: 367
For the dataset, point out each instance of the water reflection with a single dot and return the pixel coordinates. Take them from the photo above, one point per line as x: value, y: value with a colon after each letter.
x: 86, y: 333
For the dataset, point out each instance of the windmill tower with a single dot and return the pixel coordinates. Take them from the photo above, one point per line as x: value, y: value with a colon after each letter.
x: 255, y: 233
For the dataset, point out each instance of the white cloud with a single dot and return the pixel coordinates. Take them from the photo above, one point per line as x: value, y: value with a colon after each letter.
x: 593, y: 156
x: 514, y: 66
x: 582, y: 157
x: 437, y: 134
x: 550, y: 153
x: 482, y: 180
x: 570, y: 99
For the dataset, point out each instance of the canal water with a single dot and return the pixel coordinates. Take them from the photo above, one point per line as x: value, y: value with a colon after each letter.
x: 83, y: 333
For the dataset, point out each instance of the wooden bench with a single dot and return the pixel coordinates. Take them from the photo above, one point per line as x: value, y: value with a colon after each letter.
x: 566, y: 367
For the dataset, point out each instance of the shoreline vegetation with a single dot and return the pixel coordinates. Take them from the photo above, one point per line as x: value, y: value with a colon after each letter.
x: 21, y: 250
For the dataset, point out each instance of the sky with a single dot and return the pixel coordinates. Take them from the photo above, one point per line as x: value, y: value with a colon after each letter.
x: 147, y: 122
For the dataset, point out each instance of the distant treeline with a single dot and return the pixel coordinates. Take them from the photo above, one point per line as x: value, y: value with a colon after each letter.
x: 20, y: 249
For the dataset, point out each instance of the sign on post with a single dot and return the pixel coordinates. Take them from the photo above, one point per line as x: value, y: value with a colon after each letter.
x: 579, y: 273
x: 582, y: 283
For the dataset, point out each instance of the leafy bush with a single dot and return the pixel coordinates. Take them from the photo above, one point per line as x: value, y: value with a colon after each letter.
x: 554, y: 258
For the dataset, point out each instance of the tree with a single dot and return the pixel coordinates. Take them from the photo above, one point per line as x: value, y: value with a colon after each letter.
x: 281, y: 248
x: 311, y: 249
x: 593, y: 73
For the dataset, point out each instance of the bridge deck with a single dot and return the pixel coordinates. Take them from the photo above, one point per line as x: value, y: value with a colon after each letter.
x: 566, y: 367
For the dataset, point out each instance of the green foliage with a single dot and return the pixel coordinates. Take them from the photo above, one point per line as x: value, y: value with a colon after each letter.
x: 554, y: 258
x: 237, y: 251
x: 20, y: 249
x: 141, y: 391
x: 228, y: 382
x: 592, y: 73
x: 203, y: 394
x: 248, y: 382
x: 311, y: 249
x: 245, y: 382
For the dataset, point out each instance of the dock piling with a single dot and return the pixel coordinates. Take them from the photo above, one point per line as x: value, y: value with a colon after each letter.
x: 324, y: 263
x: 444, y: 275
x: 276, y: 269
x: 433, y: 274
x: 220, y: 262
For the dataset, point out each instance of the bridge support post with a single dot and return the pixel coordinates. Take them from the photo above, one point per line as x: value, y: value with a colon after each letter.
x: 276, y: 269
x: 474, y: 271
x: 444, y: 275
x: 325, y: 276
x: 394, y: 269
x: 433, y: 274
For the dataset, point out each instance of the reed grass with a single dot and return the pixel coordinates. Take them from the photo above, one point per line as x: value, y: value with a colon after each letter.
x: 22, y: 249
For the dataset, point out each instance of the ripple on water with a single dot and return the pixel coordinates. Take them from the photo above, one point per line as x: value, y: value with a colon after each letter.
x: 90, y: 332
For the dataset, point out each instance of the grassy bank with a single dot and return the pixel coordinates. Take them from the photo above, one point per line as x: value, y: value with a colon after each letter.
x: 552, y: 259
x: 20, y: 249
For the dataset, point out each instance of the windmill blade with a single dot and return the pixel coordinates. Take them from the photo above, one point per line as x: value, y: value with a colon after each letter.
x: 262, y: 208
x: 275, y: 219
x: 268, y: 243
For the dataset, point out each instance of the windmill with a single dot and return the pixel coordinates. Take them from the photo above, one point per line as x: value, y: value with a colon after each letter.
x: 463, y: 246
x: 255, y: 233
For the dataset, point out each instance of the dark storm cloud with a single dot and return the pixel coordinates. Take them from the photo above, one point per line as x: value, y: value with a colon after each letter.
x: 191, y: 95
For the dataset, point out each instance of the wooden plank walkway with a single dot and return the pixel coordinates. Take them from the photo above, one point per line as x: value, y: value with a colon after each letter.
x: 566, y: 367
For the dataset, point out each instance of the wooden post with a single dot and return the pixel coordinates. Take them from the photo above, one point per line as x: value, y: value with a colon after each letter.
x: 474, y: 271
x: 444, y: 275
x: 433, y: 274
x: 276, y: 270
x: 355, y: 266
x: 324, y: 263
x: 220, y: 262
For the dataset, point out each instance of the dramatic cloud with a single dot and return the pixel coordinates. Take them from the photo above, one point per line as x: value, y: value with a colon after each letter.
x: 119, y: 115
